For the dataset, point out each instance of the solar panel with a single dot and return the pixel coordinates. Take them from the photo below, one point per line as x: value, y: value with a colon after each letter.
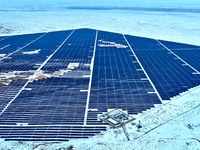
x: 54, y: 85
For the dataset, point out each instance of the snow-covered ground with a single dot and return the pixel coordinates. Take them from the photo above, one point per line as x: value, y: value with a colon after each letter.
x: 174, y: 125
x: 174, y: 26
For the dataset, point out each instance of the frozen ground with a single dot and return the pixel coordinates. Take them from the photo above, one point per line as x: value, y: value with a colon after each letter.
x: 174, y: 125
x: 174, y: 26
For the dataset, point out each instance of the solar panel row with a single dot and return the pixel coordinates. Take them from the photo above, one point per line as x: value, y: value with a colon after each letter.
x: 57, y: 100
x: 48, y: 133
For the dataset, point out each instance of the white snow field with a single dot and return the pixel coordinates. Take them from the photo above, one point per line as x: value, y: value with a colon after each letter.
x: 181, y: 27
x: 171, y: 126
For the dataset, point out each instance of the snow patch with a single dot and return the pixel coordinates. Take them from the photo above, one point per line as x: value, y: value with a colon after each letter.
x: 111, y: 44
x: 71, y: 66
x: 41, y: 75
x: 2, y: 55
x: 32, y: 52
x: 7, y: 78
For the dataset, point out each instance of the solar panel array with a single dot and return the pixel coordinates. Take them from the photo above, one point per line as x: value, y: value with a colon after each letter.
x: 19, y: 62
x: 189, y: 53
x: 56, y: 100
x: 54, y: 85
x: 170, y: 74
x: 118, y: 80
